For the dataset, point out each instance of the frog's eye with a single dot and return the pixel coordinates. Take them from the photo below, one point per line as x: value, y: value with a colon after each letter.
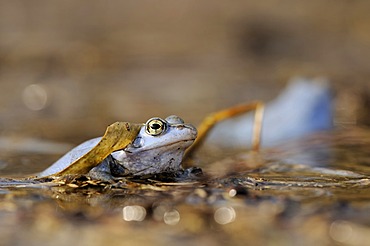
x: 155, y: 126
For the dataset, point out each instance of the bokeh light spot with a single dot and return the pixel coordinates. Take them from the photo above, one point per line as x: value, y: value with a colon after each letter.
x: 341, y: 231
x: 35, y: 97
x: 224, y: 215
x: 171, y: 217
x: 134, y: 213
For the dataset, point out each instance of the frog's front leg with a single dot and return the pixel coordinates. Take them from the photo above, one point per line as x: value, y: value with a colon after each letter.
x: 107, y: 170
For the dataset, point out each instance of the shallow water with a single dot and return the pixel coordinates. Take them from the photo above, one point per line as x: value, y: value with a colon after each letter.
x: 312, y: 190
x: 65, y: 78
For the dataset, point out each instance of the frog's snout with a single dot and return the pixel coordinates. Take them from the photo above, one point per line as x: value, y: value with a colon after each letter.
x: 193, y: 131
x: 188, y: 130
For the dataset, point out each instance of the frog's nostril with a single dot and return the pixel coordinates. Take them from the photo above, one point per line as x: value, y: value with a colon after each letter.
x: 193, y: 130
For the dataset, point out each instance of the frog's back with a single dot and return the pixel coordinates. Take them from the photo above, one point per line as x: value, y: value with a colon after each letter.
x: 70, y: 157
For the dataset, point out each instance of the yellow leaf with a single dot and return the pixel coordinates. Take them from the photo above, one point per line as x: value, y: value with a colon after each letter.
x: 116, y: 137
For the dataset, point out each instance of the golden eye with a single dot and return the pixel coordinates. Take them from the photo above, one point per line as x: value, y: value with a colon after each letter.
x: 155, y: 126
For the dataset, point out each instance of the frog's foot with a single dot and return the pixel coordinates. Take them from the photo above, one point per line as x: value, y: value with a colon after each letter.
x: 211, y: 120
x: 190, y: 173
x: 97, y: 174
x: 108, y: 170
x: 182, y: 175
x: 102, y: 172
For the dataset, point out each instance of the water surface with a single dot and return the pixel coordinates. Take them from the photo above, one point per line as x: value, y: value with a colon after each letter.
x: 312, y: 190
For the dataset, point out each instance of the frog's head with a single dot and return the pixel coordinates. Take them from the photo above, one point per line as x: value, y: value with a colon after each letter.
x: 159, y: 146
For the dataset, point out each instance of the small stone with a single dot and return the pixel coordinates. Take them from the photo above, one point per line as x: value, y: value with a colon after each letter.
x: 72, y: 185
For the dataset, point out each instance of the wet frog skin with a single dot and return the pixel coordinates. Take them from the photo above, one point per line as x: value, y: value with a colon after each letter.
x: 158, y: 148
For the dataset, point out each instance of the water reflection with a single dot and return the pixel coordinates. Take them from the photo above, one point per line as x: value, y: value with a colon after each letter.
x: 167, y: 213
x: 134, y: 213
x: 349, y: 233
x: 341, y: 231
x: 276, y: 196
x: 171, y: 217
x: 233, y: 192
x: 225, y: 215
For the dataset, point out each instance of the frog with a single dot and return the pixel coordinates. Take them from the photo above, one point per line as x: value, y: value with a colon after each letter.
x: 158, y: 147
x: 139, y: 150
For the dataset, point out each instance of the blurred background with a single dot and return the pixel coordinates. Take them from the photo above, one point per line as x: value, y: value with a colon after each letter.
x: 70, y: 68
